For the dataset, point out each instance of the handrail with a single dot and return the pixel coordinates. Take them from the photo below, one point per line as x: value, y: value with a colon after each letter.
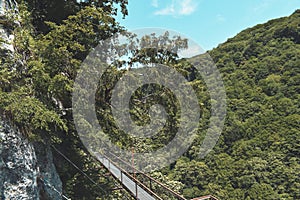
x: 152, y: 179
x: 142, y: 185
x: 136, y: 181
x: 205, y: 198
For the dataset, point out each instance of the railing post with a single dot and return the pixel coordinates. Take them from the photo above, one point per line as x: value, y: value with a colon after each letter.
x: 121, y: 176
x: 136, y: 190
x: 132, y: 160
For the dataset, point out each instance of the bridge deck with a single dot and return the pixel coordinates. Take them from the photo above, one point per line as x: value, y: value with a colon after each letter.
x: 137, y: 189
x: 126, y: 181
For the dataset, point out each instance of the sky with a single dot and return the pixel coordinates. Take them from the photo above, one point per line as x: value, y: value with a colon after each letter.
x: 207, y: 22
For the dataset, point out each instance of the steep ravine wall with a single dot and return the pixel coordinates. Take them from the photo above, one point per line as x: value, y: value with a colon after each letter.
x: 26, y: 169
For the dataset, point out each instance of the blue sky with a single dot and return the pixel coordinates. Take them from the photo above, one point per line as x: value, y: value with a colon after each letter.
x: 207, y: 22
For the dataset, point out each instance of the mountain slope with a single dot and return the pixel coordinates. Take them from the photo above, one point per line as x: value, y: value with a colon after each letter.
x: 257, y: 156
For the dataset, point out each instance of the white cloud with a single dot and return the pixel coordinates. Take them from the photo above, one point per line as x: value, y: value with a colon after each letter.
x: 154, y: 3
x: 178, y: 7
x: 187, y: 7
x: 169, y: 10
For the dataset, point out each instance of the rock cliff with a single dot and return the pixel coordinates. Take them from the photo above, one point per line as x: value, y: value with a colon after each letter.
x: 26, y: 169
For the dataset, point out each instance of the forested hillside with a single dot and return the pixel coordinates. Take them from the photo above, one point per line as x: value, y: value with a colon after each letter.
x: 257, y: 155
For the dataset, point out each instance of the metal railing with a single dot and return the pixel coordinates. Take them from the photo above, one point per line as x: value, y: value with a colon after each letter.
x: 151, y: 181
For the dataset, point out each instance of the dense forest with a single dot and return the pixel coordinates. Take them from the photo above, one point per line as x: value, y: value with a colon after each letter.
x: 257, y: 155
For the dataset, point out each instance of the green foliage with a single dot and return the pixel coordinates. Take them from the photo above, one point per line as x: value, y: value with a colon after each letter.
x: 257, y: 156
x: 17, y: 93
x: 37, y: 78
x: 29, y: 113
x: 58, y: 10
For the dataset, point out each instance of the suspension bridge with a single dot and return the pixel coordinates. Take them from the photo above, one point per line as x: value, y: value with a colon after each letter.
x: 139, y: 185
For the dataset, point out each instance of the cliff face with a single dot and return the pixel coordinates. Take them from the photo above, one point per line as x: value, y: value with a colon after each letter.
x: 26, y: 169
x: 6, y: 36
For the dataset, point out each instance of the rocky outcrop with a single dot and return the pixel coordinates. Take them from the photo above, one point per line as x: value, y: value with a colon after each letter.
x: 26, y: 169
x: 6, y: 25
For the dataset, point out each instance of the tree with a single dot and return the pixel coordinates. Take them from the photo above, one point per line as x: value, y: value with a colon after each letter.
x: 58, y: 10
